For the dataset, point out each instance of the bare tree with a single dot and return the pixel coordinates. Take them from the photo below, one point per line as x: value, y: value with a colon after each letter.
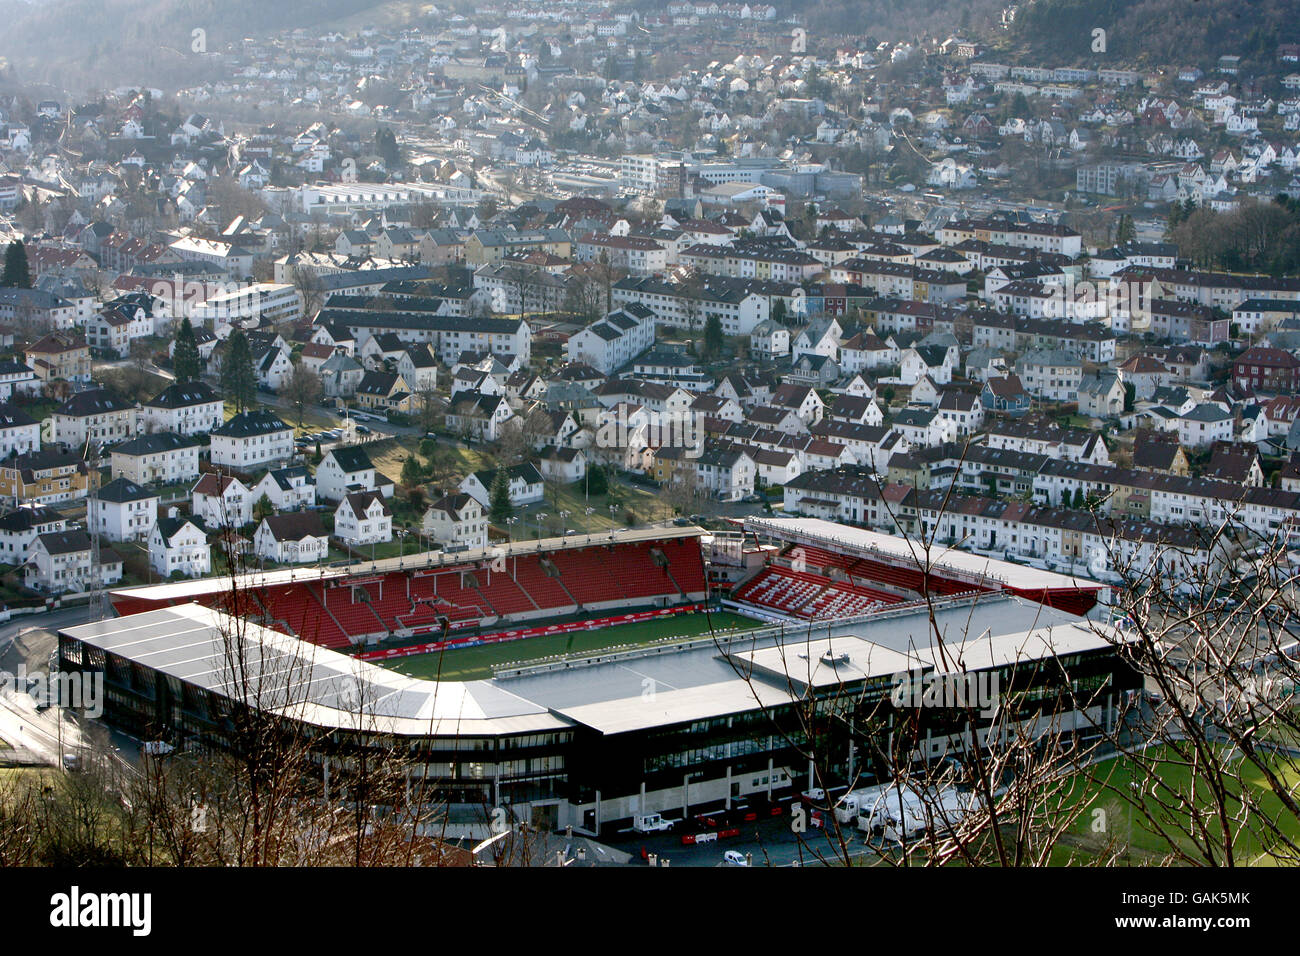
x: 303, y: 389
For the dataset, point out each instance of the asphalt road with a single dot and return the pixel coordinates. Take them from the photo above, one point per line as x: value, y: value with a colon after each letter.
x: 769, y: 842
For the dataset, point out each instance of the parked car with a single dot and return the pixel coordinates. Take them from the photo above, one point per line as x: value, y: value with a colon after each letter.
x: 734, y: 858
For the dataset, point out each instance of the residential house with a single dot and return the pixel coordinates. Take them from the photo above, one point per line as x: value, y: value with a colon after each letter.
x: 288, y: 489
x: 252, y: 439
x: 221, y: 501
x: 60, y: 561
x: 456, y: 521
x: 96, y: 416
x: 160, y: 458
x: 348, y: 469
x: 524, y: 481
x: 363, y: 517
x: 294, y: 538
x: 122, y: 511
x: 179, y: 546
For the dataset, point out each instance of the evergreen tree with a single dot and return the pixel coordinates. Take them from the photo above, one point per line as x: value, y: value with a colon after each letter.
x: 1125, y: 231
x: 185, y: 357
x: 411, y: 472
x: 16, y: 274
x: 713, y: 338
x: 500, y: 508
x: 238, y: 378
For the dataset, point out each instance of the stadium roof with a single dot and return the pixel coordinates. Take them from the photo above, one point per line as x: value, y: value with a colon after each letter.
x: 307, y: 682
x: 329, y: 689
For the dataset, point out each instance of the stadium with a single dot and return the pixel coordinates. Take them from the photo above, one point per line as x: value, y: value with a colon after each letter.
x: 581, y: 680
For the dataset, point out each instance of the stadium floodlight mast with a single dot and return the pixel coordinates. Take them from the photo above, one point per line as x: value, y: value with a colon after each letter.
x: 509, y: 525
x: 541, y: 516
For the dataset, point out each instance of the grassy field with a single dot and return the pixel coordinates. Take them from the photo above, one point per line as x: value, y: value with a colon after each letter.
x: 1130, y: 829
x: 475, y: 663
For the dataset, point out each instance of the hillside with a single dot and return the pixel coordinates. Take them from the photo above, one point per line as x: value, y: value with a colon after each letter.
x: 1151, y: 32
x: 80, y: 44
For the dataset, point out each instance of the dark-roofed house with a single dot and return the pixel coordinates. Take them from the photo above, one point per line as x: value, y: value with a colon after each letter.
x: 288, y: 489
x: 43, y: 477
x: 20, y: 527
x: 525, y: 482
x: 363, y: 517
x: 477, y: 415
x: 457, y: 520
x: 186, y: 408
x: 59, y: 562
x: 294, y: 538
x: 1159, y: 451
x: 19, y: 432
x: 122, y: 510
x: 160, y: 457
x: 252, y: 439
x: 348, y: 469
x: 1260, y: 369
x: 97, y: 415
x: 179, y: 545
x: 1006, y: 394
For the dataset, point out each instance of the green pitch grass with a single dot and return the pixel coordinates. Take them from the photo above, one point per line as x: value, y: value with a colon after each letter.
x: 475, y: 663
x: 1107, y: 813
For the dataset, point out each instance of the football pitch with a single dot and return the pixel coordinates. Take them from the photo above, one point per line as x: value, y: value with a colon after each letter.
x: 476, y: 663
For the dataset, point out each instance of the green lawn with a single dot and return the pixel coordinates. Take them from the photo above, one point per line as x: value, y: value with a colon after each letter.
x: 475, y: 663
x: 1097, y: 786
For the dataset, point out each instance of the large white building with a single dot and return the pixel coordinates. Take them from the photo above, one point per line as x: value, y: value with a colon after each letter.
x: 122, y: 511
x: 614, y: 341
x: 186, y: 408
x: 252, y: 439
x: 159, y: 457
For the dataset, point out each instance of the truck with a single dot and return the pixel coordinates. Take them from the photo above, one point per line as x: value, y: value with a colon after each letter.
x: 894, y: 813
x: 855, y: 802
x: 650, y: 823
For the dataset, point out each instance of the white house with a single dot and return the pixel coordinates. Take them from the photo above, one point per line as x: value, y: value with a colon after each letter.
x: 565, y: 465
x: 614, y: 341
x: 252, y: 439
x: 163, y: 457
x: 122, y: 511
x: 21, y: 526
x: 478, y: 415
x: 59, y: 561
x: 525, y: 483
x: 97, y: 415
x: 288, y: 489
x: 348, y: 469
x: 295, y: 538
x: 189, y: 408
x: 177, y: 544
x: 362, y: 517
x: 221, y: 500
x: 457, y: 520
x: 19, y: 432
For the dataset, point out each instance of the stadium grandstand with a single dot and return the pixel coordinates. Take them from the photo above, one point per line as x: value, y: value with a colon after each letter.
x: 817, y: 570
x: 471, y: 593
